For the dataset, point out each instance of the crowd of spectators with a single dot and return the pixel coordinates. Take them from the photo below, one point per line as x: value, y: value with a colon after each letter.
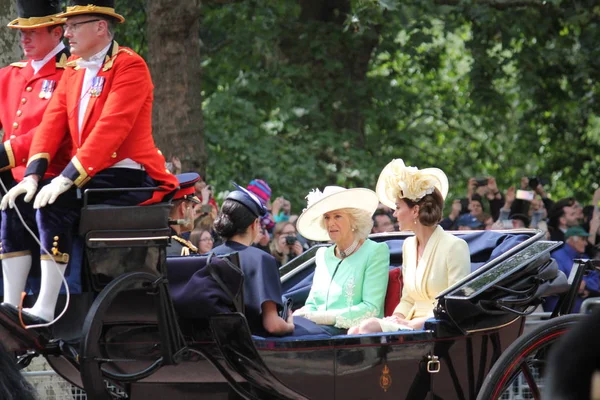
x: 484, y: 207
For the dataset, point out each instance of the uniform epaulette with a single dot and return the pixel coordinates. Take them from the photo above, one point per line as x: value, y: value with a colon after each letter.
x: 72, y: 63
x: 19, y: 64
x: 126, y: 51
x: 185, y: 243
x: 62, y: 63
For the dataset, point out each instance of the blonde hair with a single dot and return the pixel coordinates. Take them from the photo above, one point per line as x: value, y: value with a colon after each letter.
x: 361, y: 221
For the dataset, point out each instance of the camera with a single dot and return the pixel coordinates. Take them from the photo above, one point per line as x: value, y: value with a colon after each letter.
x: 290, y: 240
x: 534, y: 181
x: 481, y: 182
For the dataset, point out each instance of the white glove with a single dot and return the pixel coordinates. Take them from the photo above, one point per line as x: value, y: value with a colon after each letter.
x: 49, y: 193
x: 28, y: 186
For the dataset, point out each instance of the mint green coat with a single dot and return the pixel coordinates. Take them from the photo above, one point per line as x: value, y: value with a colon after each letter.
x: 352, y: 293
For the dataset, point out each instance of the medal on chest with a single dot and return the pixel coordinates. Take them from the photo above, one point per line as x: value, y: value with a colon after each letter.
x: 48, y: 86
x: 97, y: 86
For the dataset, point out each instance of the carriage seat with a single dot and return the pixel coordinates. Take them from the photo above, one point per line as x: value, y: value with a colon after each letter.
x: 116, y: 226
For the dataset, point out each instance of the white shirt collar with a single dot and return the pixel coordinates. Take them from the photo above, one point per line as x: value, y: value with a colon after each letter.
x: 96, y: 60
x: 38, y: 64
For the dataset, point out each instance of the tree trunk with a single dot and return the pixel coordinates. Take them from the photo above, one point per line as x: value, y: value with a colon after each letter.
x: 174, y: 60
x: 353, y: 52
x: 10, y: 50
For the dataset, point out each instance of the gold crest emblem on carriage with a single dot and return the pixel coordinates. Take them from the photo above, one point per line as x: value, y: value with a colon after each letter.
x: 385, y: 381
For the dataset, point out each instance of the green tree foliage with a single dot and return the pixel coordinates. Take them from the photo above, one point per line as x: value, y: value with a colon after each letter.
x: 309, y: 93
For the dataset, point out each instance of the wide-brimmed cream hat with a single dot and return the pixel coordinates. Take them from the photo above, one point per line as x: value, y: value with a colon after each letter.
x: 399, y: 181
x: 332, y: 198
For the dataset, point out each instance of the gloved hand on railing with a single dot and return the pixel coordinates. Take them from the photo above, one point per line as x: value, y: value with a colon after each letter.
x: 27, y: 186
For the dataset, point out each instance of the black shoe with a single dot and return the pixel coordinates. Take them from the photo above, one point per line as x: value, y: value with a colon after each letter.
x: 37, y: 337
x: 28, y: 319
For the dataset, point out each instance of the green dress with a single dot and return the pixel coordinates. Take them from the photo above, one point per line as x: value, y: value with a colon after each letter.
x: 346, y: 292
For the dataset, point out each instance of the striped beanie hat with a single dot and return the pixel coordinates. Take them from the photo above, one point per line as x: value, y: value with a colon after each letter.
x: 261, y: 189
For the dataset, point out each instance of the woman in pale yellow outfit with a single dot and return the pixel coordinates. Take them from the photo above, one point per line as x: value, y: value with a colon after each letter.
x: 433, y: 260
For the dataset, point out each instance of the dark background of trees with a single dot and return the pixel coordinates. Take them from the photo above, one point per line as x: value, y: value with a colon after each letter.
x: 308, y: 93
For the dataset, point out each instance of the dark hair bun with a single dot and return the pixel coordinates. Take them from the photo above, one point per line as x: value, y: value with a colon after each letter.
x: 430, y: 208
x: 233, y: 219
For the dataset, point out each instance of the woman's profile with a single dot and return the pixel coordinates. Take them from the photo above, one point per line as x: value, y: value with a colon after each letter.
x: 433, y: 259
x: 351, y: 276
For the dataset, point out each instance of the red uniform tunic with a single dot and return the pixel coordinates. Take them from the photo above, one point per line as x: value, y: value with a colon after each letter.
x: 117, y: 123
x: 21, y: 111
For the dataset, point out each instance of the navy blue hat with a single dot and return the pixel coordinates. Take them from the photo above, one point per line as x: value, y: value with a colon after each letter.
x: 248, y: 200
x: 186, y: 187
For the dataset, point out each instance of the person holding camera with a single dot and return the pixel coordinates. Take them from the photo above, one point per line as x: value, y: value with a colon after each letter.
x: 486, y: 188
x: 285, y: 245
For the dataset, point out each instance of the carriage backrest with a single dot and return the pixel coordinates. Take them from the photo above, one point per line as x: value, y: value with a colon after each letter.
x: 121, y: 239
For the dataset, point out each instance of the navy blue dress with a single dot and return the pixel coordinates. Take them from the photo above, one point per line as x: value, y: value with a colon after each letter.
x: 261, y: 281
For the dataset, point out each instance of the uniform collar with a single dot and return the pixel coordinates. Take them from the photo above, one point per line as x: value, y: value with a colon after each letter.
x: 96, y: 60
x: 38, y: 64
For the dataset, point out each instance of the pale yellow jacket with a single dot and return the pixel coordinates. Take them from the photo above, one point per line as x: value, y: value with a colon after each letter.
x: 445, y: 261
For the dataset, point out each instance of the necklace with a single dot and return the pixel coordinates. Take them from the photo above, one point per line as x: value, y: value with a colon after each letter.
x: 348, y: 252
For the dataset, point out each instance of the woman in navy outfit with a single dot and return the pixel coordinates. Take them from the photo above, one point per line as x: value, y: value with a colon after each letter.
x: 238, y: 223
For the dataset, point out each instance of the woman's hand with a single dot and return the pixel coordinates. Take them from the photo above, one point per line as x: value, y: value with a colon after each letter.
x: 396, y: 319
x: 282, y: 246
x: 296, y: 249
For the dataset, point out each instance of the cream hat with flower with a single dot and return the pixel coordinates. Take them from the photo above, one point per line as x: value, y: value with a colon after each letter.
x: 399, y: 181
x: 332, y: 198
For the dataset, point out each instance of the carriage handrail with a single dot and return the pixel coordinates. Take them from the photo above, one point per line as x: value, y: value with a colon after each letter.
x: 87, y: 192
x: 502, y: 257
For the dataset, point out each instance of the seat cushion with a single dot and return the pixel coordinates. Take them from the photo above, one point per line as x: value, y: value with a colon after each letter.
x: 394, y: 291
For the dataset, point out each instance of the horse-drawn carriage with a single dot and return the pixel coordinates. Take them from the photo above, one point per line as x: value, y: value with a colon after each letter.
x: 124, y: 328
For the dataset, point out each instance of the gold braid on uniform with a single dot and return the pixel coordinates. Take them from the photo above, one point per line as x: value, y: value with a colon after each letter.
x: 187, y: 245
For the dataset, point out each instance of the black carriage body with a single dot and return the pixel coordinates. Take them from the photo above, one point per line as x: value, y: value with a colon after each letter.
x: 449, y: 358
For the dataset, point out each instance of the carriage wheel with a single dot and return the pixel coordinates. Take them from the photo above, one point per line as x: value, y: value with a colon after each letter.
x: 525, y: 360
x: 92, y: 355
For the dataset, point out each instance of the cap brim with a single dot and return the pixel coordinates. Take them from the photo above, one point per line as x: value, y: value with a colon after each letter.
x: 309, y: 222
x: 91, y: 9
x: 38, y: 22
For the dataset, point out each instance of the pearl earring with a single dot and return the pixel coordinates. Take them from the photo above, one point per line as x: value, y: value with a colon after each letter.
x: 415, y: 221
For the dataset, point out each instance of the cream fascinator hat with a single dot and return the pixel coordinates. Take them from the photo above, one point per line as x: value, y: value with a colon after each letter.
x: 332, y: 198
x: 399, y: 181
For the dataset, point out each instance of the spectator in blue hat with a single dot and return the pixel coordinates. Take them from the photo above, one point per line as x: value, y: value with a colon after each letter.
x: 574, y: 247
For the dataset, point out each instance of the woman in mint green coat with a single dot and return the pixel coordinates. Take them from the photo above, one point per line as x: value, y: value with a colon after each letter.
x: 351, y: 275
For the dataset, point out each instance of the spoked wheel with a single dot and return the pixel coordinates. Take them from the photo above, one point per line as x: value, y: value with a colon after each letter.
x: 103, y: 357
x: 522, y: 366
